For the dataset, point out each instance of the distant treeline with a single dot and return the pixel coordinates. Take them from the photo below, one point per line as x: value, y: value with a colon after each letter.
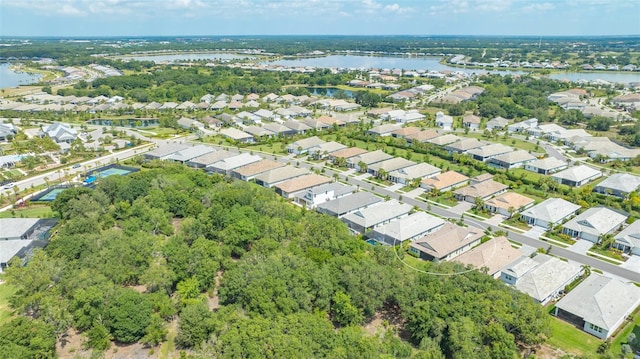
x: 291, y: 45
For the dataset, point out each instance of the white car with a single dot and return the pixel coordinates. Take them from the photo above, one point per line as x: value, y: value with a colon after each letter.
x: 9, y: 185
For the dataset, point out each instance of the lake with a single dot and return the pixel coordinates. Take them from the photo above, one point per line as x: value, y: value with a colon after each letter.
x: 328, y: 91
x: 433, y: 63
x: 190, y: 57
x: 10, y: 78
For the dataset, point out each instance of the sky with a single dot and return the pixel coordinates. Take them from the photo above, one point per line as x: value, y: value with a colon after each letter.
x: 90, y: 18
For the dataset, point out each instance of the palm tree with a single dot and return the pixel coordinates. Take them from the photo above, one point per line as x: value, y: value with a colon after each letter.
x: 46, y: 181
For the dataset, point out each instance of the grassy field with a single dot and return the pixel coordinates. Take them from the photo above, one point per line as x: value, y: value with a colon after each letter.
x: 6, y: 291
x: 31, y: 212
x: 571, y: 339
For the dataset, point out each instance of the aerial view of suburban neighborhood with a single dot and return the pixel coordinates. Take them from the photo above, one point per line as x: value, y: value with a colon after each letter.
x: 303, y: 179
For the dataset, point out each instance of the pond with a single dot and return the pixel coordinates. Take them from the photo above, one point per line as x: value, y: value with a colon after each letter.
x: 429, y: 63
x: 126, y: 122
x: 190, y: 57
x: 11, y: 78
x: 329, y: 91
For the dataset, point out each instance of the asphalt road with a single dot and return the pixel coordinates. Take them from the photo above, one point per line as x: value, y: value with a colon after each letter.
x: 532, y: 242
x: 55, y: 175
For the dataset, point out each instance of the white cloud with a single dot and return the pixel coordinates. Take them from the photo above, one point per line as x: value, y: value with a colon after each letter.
x: 545, y: 6
x: 492, y: 5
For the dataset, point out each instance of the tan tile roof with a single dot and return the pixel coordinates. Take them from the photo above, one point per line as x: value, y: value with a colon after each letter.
x: 349, y: 152
x: 493, y: 254
x: 445, y: 180
x: 302, y: 182
x: 509, y: 199
x: 447, y: 239
x: 258, y: 167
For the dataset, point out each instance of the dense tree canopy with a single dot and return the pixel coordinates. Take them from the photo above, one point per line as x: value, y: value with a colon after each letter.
x: 148, y: 248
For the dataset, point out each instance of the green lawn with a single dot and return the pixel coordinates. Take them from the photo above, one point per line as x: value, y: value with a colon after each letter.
x: 571, y: 339
x: 32, y: 212
x: 621, y: 336
x: 6, y: 291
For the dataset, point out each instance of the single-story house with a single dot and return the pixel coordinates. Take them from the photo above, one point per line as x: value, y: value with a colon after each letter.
x: 484, y: 188
x: 546, y: 165
x: 384, y: 130
x: 444, y: 121
x: 346, y: 154
x: 189, y: 153
x: 164, y: 151
x: 416, y: 172
x: 279, y: 129
x: 599, y: 305
x: 576, y: 176
x: 60, y: 132
x: 444, y: 182
x: 618, y: 184
x: 412, y: 227
x: 190, y: 123
x: 422, y: 136
x: 366, y: 219
x: 315, y: 196
x: 444, y: 140
x: 447, y: 243
x: 465, y: 145
x: 225, y: 166
x: 487, y: 152
x: 471, y: 121
x: 549, y: 213
x: 594, y: 223
x: 209, y: 158
x: 542, y: 277
x: 367, y: 159
x: 316, y: 124
x: 497, y: 123
x: 342, y: 206
x: 298, y: 127
x: 302, y: 146
x: 249, y: 118
x: 628, y: 240
x: 404, y: 132
x: 383, y: 168
x: 508, y: 203
x: 515, y: 159
x: 280, y: 174
x: 20, y: 236
x: 237, y: 135
x: 491, y: 256
x: 259, y: 132
x: 523, y: 127
x: 323, y: 150
x: 289, y: 188
x: 250, y: 171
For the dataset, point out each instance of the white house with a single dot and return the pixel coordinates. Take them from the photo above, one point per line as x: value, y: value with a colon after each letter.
x: 542, y: 277
x: 549, y: 213
x: 599, y: 305
x: 408, y: 228
x: 594, y: 223
x: 628, y: 240
x: 576, y: 176
x: 444, y: 121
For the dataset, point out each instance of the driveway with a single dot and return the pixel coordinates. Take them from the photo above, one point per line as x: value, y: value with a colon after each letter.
x: 495, y: 220
x: 461, y: 207
x: 581, y: 246
x: 414, y: 193
x: 535, y: 232
x: 633, y: 263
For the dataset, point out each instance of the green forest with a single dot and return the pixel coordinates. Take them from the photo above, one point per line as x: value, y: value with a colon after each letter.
x: 244, y: 273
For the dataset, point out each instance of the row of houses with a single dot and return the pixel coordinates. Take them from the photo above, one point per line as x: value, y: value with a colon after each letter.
x: 391, y: 222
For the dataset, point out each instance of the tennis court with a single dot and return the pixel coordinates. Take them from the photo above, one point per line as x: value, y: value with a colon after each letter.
x: 48, y: 196
x: 112, y: 171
